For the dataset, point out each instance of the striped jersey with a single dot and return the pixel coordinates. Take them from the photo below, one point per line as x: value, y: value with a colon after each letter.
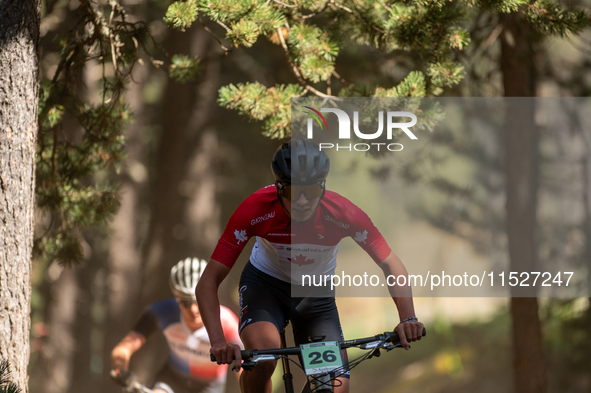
x: 188, y: 350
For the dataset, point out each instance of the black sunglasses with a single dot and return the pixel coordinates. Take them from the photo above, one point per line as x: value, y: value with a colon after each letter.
x: 293, y: 192
x: 186, y: 303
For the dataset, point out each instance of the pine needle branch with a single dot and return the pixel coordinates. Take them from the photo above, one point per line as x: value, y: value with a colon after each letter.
x: 296, y: 71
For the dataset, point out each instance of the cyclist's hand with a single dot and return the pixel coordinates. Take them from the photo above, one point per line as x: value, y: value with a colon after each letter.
x: 227, y: 353
x: 123, y: 377
x: 409, y: 332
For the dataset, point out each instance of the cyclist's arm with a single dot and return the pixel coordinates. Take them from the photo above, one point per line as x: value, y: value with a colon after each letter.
x: 230, y: 324
x: 402, y: 296
x: 209, y: 307
x: 122, y: 352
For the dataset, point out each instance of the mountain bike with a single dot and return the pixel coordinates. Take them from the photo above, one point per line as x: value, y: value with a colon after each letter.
x: 320, y: 360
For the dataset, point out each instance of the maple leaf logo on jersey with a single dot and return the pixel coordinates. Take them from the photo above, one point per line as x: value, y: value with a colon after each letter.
x: 360, y: 236
x: 240, y: 236
x: 301, y: 260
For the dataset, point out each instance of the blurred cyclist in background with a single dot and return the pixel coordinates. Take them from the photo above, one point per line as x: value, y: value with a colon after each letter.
x: 298, y: 226
x: 189, y: 368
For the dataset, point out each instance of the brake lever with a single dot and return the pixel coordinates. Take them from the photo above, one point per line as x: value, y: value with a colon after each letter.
x: 390, y: 347
x: 375, y: 352
x: 248, y: 366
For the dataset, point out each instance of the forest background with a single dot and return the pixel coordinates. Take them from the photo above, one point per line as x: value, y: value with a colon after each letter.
x: 134, y: 135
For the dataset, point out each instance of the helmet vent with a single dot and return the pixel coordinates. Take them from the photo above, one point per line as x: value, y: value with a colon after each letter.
x: 185, y: 275
x: 300, y: 161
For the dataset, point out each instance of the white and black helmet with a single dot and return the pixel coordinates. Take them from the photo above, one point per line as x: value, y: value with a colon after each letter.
x: 184, y: 277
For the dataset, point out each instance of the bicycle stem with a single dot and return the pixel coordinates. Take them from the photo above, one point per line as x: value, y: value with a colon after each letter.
x: 287, y: 375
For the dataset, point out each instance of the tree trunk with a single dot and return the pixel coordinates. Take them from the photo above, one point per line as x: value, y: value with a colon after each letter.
x: 186, y: 112
x: 19, y: 92
x: 124, y: 260
x: 86, y: 375
x: 586, y: 180
x: 521, y: 170
x: 60, y: 345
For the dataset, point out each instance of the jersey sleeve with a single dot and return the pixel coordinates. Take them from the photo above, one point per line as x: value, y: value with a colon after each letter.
x: 147, y: 324
x: 368, y: 237
x: 235, y: 236
x: 230, y: 326
x: 157, y: 317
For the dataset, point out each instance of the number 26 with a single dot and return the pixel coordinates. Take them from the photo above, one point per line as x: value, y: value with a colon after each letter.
x: 328, y: 356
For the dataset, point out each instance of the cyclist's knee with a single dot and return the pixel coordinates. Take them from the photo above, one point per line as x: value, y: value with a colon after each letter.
x: 263, y: 370
x: 258, y: 380
x: 260, y: 335
x: 342, y: 386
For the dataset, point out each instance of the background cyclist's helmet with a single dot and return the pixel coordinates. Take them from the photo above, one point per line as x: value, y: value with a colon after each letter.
x: 300, y: 161
x: 184, y: 277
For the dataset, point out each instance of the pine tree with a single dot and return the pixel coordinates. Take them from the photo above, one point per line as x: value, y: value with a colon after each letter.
x: 80, y: 137
x: 312, y: 35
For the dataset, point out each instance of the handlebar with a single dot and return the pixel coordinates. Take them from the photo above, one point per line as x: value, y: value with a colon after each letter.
x: 247, y: 354
x: 388, y: 337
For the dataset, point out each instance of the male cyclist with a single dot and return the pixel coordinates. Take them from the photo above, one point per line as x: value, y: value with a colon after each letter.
x: 189, y: 368
x: 298, y: 225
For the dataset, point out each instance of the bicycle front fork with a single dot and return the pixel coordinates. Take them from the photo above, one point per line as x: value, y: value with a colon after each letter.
x: 320, y: 384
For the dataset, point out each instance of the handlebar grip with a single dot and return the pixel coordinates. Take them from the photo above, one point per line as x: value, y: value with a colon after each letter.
x: 245, y: 354
x: 395, y: 337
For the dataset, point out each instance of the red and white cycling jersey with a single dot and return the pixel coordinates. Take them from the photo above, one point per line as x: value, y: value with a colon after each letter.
x: 287, y: 249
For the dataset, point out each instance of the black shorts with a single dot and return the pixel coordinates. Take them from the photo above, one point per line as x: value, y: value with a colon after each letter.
x: 266, y: 298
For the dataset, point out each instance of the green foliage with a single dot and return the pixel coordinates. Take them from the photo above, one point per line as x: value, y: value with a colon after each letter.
x: 421, y: 27
x: 272, y: 105
x: 227, y: 10
x: 313, y: 51
x: 244, y: 32
x: 570, y: 358
x: 64, y: 248
x: 546, y: 16
x: 78, y: 136
x: 503, y: 6
x: 184, y: 68
x: 551, y: 19
x: 412, y: 86
x: 445, y: 73
x: 424, y: 27
x: 311, y: 34
x: 458, y: 38
x: 6, y: 385
x: 432, y: 116
x: 181, y: 14
x: 247, y: 20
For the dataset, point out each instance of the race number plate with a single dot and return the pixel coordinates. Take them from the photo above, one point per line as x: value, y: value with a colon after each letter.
x: 321, y: 357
